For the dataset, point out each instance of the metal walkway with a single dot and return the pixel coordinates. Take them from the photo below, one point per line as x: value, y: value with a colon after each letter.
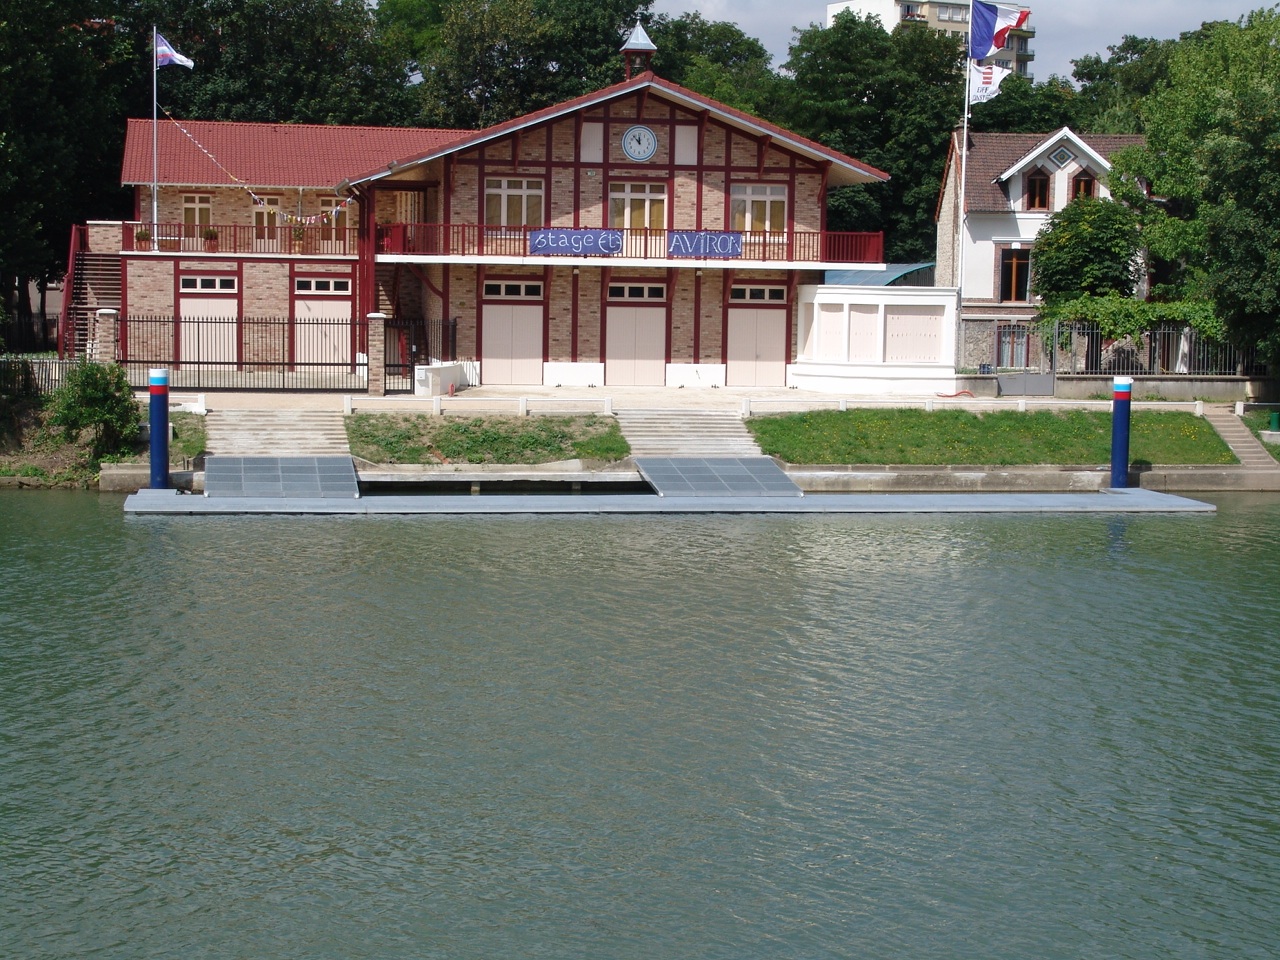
x: 716, y: 477
x: 292, y: 478
x: 1128, y: 501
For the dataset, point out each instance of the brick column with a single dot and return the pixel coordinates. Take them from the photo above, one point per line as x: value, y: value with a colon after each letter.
x: 377, y: 341
x: 105, y: 336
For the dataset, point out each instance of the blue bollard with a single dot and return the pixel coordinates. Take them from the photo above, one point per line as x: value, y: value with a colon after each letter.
x: 159, y: 379
x: 1120, y: 401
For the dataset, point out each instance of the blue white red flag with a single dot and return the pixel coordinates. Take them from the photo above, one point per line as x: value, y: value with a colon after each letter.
x: 989, y: 26
x: 166, y: 55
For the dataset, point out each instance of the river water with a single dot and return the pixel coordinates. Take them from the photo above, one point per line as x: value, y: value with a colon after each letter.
x: 638, y: 737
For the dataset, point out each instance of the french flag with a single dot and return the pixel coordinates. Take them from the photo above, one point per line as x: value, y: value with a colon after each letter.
x: 989, y: 26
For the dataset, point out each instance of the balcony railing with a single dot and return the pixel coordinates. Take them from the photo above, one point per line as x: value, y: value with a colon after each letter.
x: 309, y: 239
x: 472, y: 240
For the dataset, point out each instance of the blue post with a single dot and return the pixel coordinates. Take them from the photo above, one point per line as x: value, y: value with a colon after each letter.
x: 1121, y: 397
x: 159, y: 378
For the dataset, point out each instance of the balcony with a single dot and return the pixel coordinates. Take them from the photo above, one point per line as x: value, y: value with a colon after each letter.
x: 289, y: 239
x: 472, y: 240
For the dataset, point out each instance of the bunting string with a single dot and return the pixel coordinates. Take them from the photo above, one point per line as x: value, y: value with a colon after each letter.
x: 285, y: 217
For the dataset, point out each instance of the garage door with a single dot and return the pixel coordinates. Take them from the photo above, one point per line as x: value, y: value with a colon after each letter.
x: 208, y: 332
x: 636, y: 347
x: 322, y: 331
x: 511, y: 344
x: 757, y: 351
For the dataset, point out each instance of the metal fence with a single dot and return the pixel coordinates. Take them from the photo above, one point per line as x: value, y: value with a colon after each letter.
x: 1081, y: 348
x: 415, y: 340
x: 243, y: 353
x: 32, y: 376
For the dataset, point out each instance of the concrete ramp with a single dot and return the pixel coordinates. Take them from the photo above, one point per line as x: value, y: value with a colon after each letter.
x: 716, y: 477
x: 294, y: 478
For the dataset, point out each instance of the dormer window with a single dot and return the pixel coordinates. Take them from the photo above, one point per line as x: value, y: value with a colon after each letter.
x: 1037, y: 190
x: 1084, y: 184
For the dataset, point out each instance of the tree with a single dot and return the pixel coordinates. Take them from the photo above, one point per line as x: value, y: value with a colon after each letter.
x: 1026, y: 107
x: 890, y: 100
x: 1088, y: 248
x: 717, y: 60
x: 1205, y: 184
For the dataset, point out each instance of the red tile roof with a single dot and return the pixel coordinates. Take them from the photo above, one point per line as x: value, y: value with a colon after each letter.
x: 267, y: 154
x: 991, y: 154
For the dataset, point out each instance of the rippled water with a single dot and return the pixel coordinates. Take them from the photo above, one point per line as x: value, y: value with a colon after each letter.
x: 638, y: 737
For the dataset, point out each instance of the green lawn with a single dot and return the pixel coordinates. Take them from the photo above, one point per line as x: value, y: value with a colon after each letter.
x: 916, y: 437
x: 418, y: 438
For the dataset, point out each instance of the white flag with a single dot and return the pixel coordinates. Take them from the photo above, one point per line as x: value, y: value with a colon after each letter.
x: 984, y: 82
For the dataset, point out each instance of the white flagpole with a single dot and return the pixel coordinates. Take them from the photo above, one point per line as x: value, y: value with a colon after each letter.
x: 961, y: 213
x: 155, y: 151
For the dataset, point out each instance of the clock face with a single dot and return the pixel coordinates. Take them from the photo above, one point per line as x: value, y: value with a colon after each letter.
x: 639, y: 143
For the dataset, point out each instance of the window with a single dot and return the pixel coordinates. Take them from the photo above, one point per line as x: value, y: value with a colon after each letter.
x: 758, y: 294
x: 758, y: 208
x: 1015, y: 274
x: 197, y: 213
x: 333, y: 219
x: 512, y: 290
x: 1037, y: 190
x: 313, y: 285
x: 512, y: 202
x: 207, y: 284
x: 637, y: 206
x: 637, y: 291
x: 1012, y: 346
x: 266, y: 217
x: 1083, y: 185
x: 953, y: 14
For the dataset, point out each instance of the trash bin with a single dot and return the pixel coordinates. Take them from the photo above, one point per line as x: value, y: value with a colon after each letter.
x: 985, y: 369
x: 1275, y: 420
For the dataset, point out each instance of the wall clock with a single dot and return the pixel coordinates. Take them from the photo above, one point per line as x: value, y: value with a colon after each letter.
x: 639, y: 143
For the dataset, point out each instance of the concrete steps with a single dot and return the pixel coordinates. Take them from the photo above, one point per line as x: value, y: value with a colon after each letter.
x: 1251, y: 454
x: 686, y: 433
x: 276, y: 433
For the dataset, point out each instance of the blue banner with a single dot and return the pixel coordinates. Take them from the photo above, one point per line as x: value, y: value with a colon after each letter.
x: 575, y: 243
x: 704, y: 244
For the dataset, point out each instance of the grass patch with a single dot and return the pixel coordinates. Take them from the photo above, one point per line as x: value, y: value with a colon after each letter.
x: 1005, y: 438
x: 1257, y: 421
x: 418, y: 438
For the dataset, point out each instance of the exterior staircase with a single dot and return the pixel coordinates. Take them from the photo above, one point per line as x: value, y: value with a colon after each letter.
x: 686, y: 433
x: 1251, y: 454
x: 276, y: 433
x: 95, y: 285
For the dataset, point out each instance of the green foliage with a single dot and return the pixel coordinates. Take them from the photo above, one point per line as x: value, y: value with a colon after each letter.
x: 96, y: 397
x: 717, y: 60
x: 956, y: 437
x: 1119, y: 316
x: 1088, y: 247
x: 890, y: 100
x: 1026, y: 107
x: 1212, y: 213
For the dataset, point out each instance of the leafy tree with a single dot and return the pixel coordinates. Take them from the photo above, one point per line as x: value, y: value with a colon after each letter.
x: 717, y: 60
x: 300, y: 61
x: 1089, y: 247
x: 498, y: 59
x: 890, y: 100
x: 1026, y: 107
x: 1206, y: 183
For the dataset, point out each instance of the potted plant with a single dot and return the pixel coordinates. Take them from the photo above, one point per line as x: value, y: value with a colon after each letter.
x: 210, y: 239
x: 142, y: 239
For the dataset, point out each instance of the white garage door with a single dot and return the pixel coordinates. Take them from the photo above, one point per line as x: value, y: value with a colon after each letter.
x: 512, y: 344
x: 322, y: 331
x: 635, y: 352
x: 207, y: 332
x: 757, y: 348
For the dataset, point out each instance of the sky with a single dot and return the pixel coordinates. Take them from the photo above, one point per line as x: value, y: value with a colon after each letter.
x: 1064, y: 31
